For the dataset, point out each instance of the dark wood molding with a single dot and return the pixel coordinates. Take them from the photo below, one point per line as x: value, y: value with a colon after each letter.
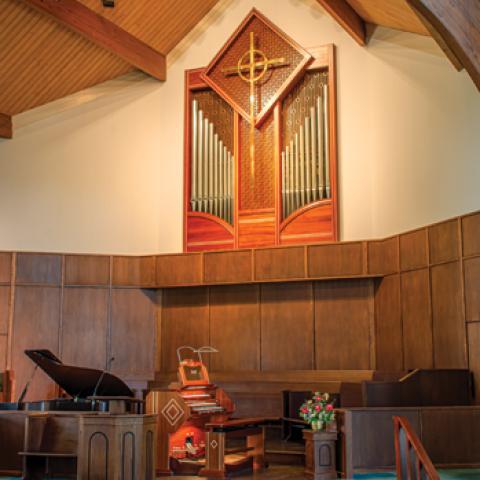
x: 105, y: 33
x: 348, y: 18
x: 6, y: 130
x: 455, y: 26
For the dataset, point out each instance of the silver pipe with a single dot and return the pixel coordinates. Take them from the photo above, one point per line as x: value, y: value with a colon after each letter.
x: 327, y: 142
x: 284, y: 188
x: 200, y: 162
x: 320, y: 133
x: 206, y: 151
x: 288, y: 182
x: 225, y: 183
x: 302, y: 165
x: 215, y: 175
x: 293, y: 183
x: 297, y: 173
x: 193, y: 170
x: 313, y: 141
x: 230, y: 187
x: 221, y: 174
x: 210, y: 168
x: 308, y: 165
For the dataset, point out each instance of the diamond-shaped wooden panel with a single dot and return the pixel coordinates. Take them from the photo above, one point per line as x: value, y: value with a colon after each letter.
x: 274, y: 44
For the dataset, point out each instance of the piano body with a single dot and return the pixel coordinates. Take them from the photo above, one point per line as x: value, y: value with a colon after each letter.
x: 100, y: 432
x: 194, y: 424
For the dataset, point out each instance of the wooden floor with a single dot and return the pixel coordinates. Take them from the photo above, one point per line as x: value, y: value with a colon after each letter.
x: 277, y: 472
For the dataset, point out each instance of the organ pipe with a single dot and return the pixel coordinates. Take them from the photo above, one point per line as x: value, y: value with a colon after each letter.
x: 305, y: 161
x: 212, y: 169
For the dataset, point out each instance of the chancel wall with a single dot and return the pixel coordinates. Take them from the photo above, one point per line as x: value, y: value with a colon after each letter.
x: 102, y: 171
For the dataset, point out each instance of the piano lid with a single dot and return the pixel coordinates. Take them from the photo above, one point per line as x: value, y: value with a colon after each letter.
x: 79, y: 381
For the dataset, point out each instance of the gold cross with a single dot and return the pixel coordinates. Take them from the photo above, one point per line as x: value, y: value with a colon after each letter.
x: 251, y: 77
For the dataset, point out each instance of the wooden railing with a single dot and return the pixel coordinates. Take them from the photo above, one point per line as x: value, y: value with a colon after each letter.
x: 413, y: 462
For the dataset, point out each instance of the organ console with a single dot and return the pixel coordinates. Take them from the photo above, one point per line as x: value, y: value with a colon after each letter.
x: 100, y: 428
x: 194, y: 425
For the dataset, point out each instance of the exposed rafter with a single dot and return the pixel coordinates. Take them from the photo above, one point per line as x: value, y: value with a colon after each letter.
x: 348, y: 18
x: 105, y: 34
x: 455, y: 25
x: 5, y: 126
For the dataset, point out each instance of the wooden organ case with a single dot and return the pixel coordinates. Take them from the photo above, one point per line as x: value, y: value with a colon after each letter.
x: 193, y: 426
x: 261, y: 143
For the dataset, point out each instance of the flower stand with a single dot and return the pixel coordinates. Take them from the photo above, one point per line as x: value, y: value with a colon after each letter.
x: 320, y: 461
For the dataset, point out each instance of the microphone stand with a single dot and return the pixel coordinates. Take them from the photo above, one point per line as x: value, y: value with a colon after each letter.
x: 101, y: 377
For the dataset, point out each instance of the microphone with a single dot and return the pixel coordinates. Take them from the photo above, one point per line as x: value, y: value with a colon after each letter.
x: 27, y: 385
x: 100, y: 378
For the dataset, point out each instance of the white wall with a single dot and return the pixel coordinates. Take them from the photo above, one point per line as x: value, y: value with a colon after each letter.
x: 102, y: 170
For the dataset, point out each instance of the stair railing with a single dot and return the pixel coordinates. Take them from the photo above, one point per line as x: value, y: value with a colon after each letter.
x: 413, y: 462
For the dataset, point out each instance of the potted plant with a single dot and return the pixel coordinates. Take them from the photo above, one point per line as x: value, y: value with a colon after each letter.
x: 318, y: 412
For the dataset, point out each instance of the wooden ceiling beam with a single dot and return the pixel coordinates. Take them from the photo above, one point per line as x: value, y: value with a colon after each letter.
x: 348, y: 18
x: 104, y: 33
x: 6, y: 130
x: 455, y: 25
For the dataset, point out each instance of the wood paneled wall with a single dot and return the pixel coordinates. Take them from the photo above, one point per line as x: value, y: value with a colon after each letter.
x: 78, y: 307
x: 423, y: 310
x: 273, y: 327
x: 428, y: 305
x: 408, y: 301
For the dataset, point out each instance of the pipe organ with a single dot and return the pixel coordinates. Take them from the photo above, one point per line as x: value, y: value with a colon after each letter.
x: 211, y: 169
x: 260, y: 146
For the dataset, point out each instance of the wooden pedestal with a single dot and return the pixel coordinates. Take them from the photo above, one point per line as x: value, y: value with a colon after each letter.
x: 320, y: 461
x: 89, y: 446
x: 114, y: 447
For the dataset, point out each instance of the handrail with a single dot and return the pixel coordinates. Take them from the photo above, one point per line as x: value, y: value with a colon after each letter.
x: 413, y: 462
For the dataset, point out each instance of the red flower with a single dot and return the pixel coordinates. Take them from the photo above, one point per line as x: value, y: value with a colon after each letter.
x: 318, y: 408
x: 329, y: 408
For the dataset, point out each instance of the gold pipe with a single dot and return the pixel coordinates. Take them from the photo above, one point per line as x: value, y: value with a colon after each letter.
x: 320, y: 132
x: 200, y: 162
x: 193, y: 170
x: 327, y: 142
x: 313, y: 141
x: 308, y: 165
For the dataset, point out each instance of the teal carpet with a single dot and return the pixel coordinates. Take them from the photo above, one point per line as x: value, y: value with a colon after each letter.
x: 450, y: 474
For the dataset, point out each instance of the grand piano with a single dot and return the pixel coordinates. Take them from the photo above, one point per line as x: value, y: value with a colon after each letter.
x: 95, y: 430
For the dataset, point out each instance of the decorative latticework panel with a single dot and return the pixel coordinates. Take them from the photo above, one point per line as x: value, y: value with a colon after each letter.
x: 219, y: 112
x: 270, y: 45
x: 257, y: 190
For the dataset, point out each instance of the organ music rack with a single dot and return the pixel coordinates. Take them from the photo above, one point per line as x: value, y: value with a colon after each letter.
x: 292, y: 196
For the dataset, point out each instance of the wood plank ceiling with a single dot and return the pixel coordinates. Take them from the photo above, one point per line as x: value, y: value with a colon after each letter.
x: 392, y: 13
x: 64, y: 46
x: 42, y: 60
